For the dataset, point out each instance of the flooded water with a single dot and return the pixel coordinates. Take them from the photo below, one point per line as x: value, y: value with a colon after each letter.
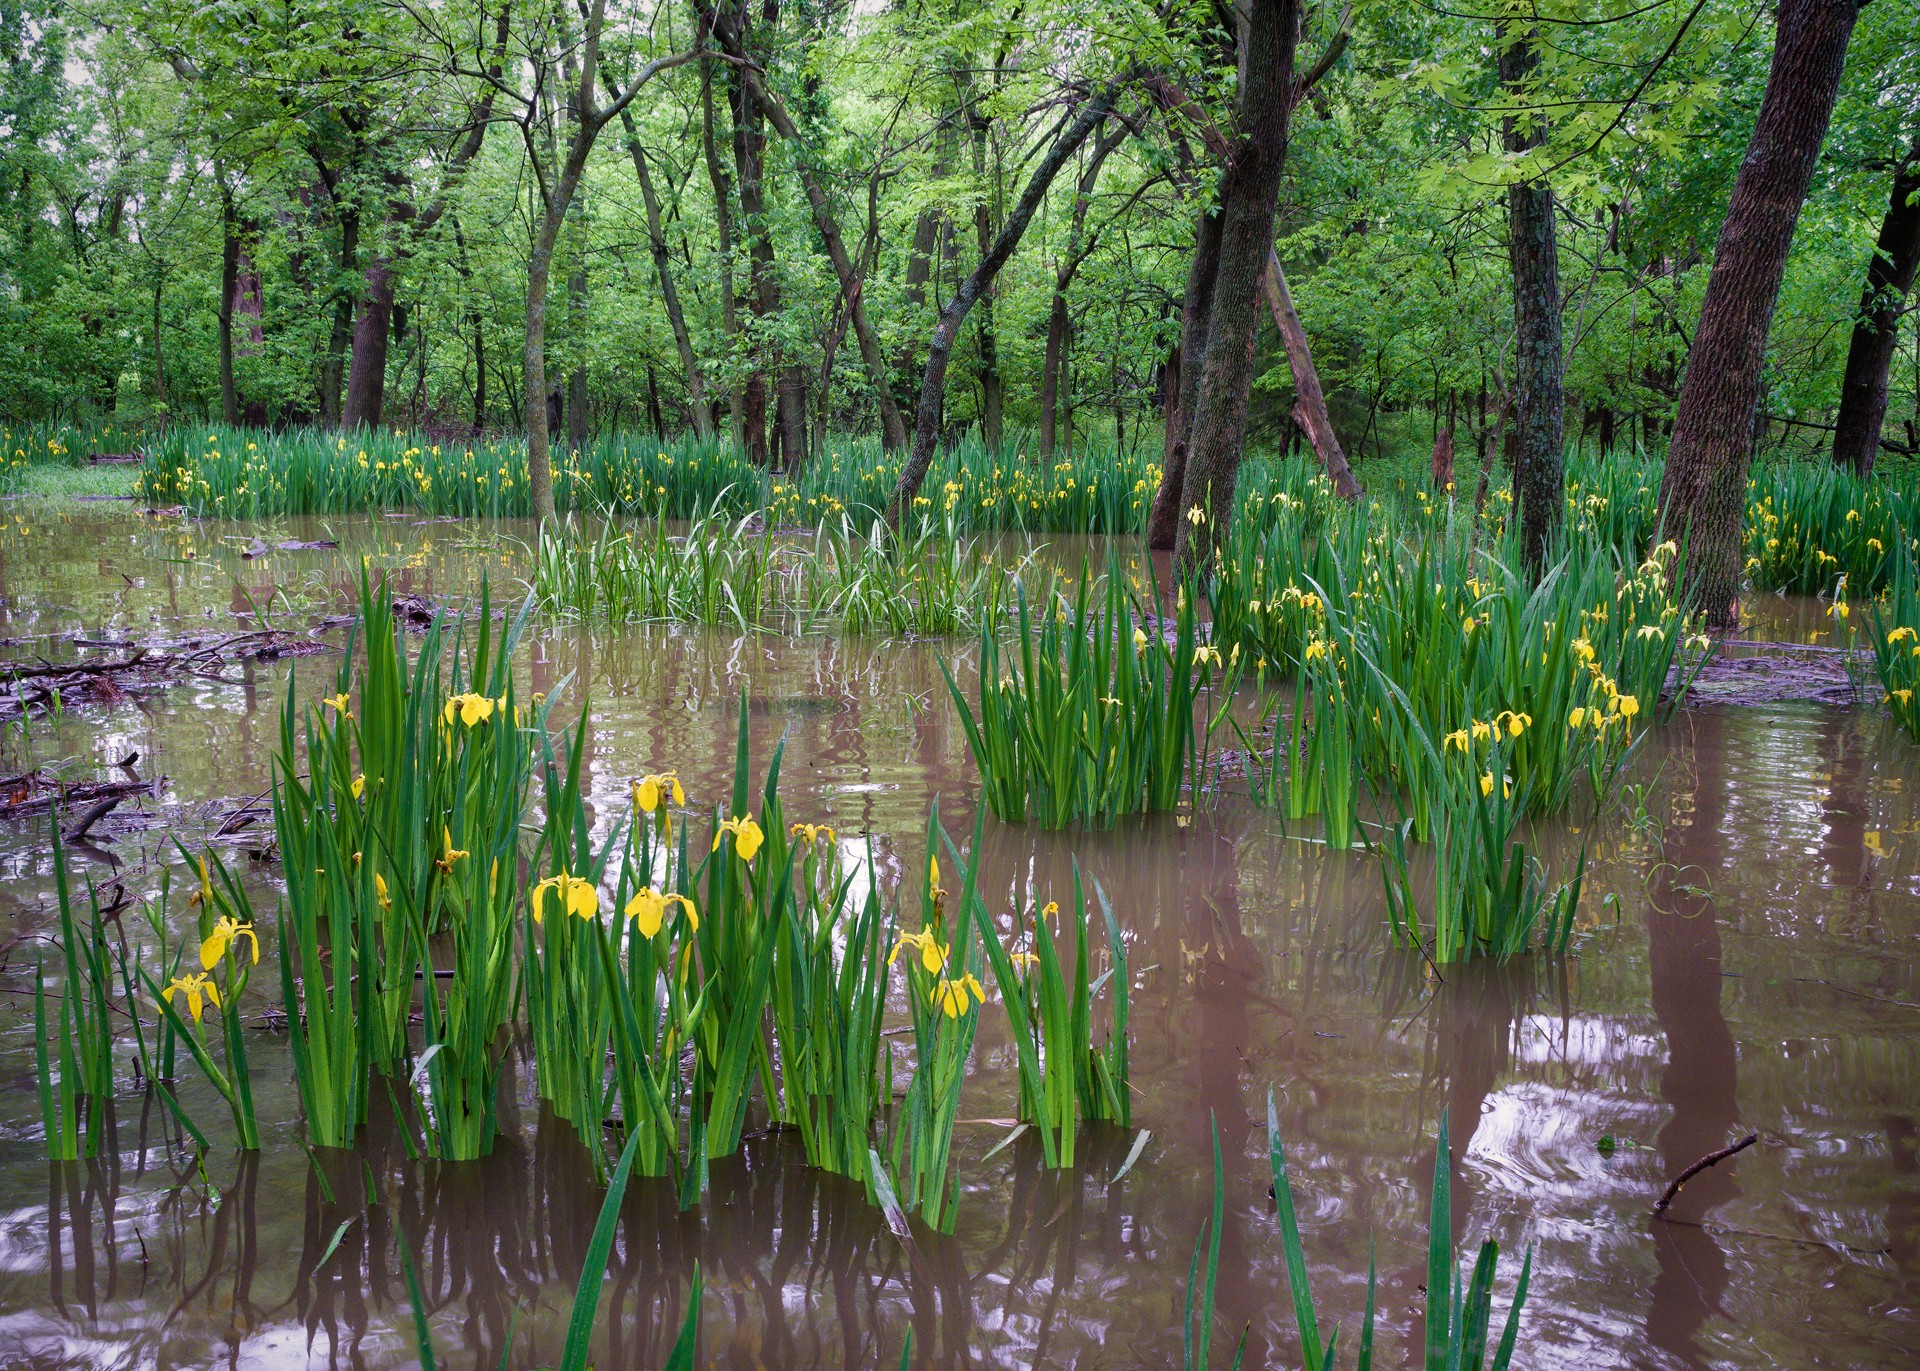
x: 1752, y: 920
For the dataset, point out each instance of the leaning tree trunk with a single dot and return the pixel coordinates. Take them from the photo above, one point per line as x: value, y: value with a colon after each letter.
x: 697, y: 403
x: 933, y: 384
x: 1164, y: 518
x: 1310, y: 403
x: 1539, y: 477
x: 1876, y: 328
x: 1712, y: 443
x: 1249, y: 195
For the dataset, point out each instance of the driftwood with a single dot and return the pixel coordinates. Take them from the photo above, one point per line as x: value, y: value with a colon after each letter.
x: 1711, y: 1159
x: 26, y: 688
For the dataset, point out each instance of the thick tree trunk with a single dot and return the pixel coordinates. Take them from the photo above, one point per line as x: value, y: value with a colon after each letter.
x: 1712, y: 443
x: 723, y: 234
x: 698, y: 404
x: 1539, y: 403
x: 372, y: 327
x: 1876, y: 328
x: 926, y: 428
x: 1249, y: 195
x: 1163, y: 520
x: 1310, y: 405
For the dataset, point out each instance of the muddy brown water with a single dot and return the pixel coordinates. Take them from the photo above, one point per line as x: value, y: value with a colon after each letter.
x: 1746, y: 964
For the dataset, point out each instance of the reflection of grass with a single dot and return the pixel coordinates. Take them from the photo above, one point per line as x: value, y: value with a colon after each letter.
x: 1459, y: 1306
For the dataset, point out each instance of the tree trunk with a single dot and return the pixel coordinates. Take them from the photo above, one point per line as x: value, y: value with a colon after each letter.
x: 723, y: 233
x: 1310, y: 405
x: 372, y: 326
x: 893, y: 429
x: 986, y: 340
x: 749, y: 159
x: 1163, y: 520
x: 1249, y: 195
x: 333, y: 366
x: 539, y: 461
x: 698, y: 405
x: 229, y: 284
x: 1539, y: 403
x: 1708, y: 455
x: 928, y: 231
x: 159, y: 357
x: 1059, y: 324
x: 933, y: 384
x: 1876, y: 328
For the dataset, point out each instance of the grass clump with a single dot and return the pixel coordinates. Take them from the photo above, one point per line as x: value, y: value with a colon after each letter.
x: 734, y: 573
x: 1090, y: 715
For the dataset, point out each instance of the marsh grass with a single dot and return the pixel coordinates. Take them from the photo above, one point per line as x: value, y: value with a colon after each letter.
x: 1088, y: 716
x: 732, y: 573
x: 73, y: 1044
x: 1066, y: 1074
x: 253, y: 473
x: 1458, y: 1313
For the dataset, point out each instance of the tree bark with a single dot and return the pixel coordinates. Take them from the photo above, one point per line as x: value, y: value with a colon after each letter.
x: 940, y: 348
x: 763, y: 299
x: 1163, y: 520
x: 372, y: 327
x: 1712, y: 443
x: 1539, y: 479
x: 1249, y: 196
x: 698, y: 404
x: 1310, y: 405
x: 723, y: 234
x: 1876, y: 328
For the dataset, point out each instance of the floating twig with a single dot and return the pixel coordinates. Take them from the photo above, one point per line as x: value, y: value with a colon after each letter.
x: 1711, y: 1159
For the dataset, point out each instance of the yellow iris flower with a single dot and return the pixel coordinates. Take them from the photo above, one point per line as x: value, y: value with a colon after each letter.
x: 648, y: 791
x: 193, y: 987
x: 747, y: 837
x: 226, y: 933
x: 649, y: 911
x: 580, y: 898
x: 471, y: 709
x: 932, y: 955
x: 950, y: 997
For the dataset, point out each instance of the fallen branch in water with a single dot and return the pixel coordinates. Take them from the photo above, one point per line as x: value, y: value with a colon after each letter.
x: 1711, y: 1159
